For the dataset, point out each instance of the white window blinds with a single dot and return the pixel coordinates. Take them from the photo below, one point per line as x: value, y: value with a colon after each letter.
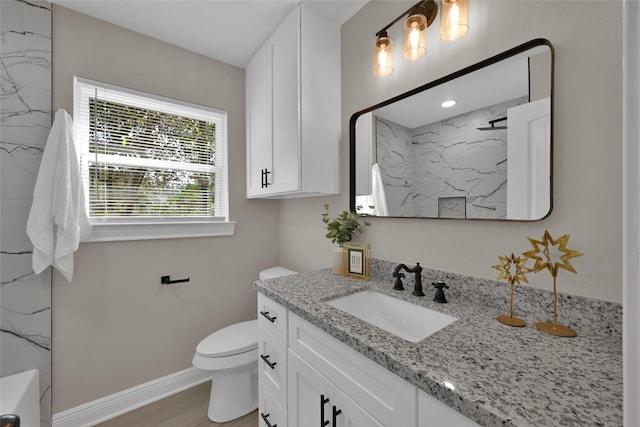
x: 149, y: 158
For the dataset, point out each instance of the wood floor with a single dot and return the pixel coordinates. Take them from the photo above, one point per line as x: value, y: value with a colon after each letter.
x: 185, y: 409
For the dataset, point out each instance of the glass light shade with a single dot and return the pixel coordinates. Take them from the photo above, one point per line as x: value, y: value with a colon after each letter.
x: 454, y: 19
x: 382, y: 56
x: 415, y: 37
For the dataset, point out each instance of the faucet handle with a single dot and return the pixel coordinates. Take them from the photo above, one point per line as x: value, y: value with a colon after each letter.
x: 440, y: 297
x: 440, y: 284
x: 397, y: 285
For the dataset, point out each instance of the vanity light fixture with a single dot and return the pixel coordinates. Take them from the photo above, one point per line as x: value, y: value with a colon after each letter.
x: 454, y: 24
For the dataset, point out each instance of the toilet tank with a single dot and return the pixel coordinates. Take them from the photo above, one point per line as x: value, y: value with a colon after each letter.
x: 273, y: 272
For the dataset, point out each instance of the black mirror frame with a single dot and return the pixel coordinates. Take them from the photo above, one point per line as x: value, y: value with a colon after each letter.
x: 489, y: 61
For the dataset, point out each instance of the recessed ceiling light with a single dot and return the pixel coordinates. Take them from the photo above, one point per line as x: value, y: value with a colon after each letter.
x: 448, y: 104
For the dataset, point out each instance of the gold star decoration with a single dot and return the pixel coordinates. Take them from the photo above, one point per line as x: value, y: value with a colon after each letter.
x: 515, y: 275
x: 541, y: 254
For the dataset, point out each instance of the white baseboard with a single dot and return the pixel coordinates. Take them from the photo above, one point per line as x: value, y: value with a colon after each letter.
x: 101, y: 410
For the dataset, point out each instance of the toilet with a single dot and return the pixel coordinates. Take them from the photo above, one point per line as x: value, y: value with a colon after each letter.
x: 231, y: 355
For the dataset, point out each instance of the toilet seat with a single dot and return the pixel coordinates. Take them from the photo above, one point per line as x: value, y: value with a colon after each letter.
x: 229, y: 341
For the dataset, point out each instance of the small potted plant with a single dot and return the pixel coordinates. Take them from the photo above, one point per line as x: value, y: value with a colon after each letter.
x: 340, y: 230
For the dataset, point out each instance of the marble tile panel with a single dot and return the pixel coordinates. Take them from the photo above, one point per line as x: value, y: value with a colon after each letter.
x: 19, y: 164
x: 399, y: 200
x: 25, y: 68
x: 26, y: 18
x: 395, y: 161
x: 25, y: 120
x: 22, y: 292
x: 26, y: 343
x: 26, y: 135
x: 13, y: 225
x: 25, y: 72
x: 26, y: 107
x: 45, y: 395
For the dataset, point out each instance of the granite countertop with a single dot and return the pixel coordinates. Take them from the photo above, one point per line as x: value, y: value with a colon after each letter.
x: 502, y: 375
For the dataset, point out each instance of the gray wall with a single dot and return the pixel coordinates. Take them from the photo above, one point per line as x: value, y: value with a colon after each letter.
x: 115, y: 326
x: 587, y: 37
x: 25, y: 298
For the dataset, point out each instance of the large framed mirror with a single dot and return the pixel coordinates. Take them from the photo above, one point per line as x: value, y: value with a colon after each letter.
x: 487, y: 156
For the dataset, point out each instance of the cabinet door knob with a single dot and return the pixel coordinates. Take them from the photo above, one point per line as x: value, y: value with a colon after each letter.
x: 334, y: 417
x: 271, y: 364
x: 271, y: 319
x: 323, y: 401
x: 264, y: 417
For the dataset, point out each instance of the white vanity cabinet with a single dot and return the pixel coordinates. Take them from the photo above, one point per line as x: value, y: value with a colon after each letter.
x: 327, y: 380
x: 293, y: 110
x: 320, y: 381
x: 272, y: 362
x: 314, y: 400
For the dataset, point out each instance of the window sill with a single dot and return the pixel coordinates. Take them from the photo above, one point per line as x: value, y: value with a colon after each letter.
x: 150, y: 231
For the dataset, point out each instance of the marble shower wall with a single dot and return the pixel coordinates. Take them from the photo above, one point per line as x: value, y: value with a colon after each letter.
x: 394, y: 154
x: 446, y: 162
x: 25, y: 84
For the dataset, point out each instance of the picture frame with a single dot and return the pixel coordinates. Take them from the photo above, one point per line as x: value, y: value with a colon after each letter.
x: 357, y: 260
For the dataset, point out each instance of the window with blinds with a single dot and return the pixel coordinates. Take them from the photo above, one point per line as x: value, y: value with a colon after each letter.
x: 147, y: 158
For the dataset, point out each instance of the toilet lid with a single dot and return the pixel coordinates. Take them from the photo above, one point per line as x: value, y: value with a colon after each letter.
x: 234, y: 339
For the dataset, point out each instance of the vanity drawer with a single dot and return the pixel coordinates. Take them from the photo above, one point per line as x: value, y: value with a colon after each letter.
x: 272, y: 317
x: 270, y: 413
x: 272, y: 365
x: 387, y: 397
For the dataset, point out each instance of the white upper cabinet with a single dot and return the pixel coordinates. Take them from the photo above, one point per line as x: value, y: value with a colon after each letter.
x: 293, y: 110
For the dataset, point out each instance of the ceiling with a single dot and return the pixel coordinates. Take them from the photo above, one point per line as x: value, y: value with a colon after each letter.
x: 228, y: 30
x: 493, y: 84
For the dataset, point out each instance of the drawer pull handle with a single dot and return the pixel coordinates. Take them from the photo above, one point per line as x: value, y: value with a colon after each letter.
x: 336, y: 412
x: 269, y: 318
x: 265, y: 178
x: 323, y: 402
x: 264, y: 417
x: 271, y: 364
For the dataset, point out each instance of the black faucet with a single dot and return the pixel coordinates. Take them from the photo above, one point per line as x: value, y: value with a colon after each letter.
x: 417, y: 291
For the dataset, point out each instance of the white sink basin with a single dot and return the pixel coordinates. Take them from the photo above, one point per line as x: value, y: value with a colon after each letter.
x: 409, y: 321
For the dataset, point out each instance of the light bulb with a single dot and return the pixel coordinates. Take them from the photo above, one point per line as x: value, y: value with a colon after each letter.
x: 382, y: 59
x: 414, y: 37
x: 454, y: 19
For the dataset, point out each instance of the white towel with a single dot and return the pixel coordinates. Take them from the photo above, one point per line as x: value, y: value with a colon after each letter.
x: 58, y: 220
x: 378, y: 197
